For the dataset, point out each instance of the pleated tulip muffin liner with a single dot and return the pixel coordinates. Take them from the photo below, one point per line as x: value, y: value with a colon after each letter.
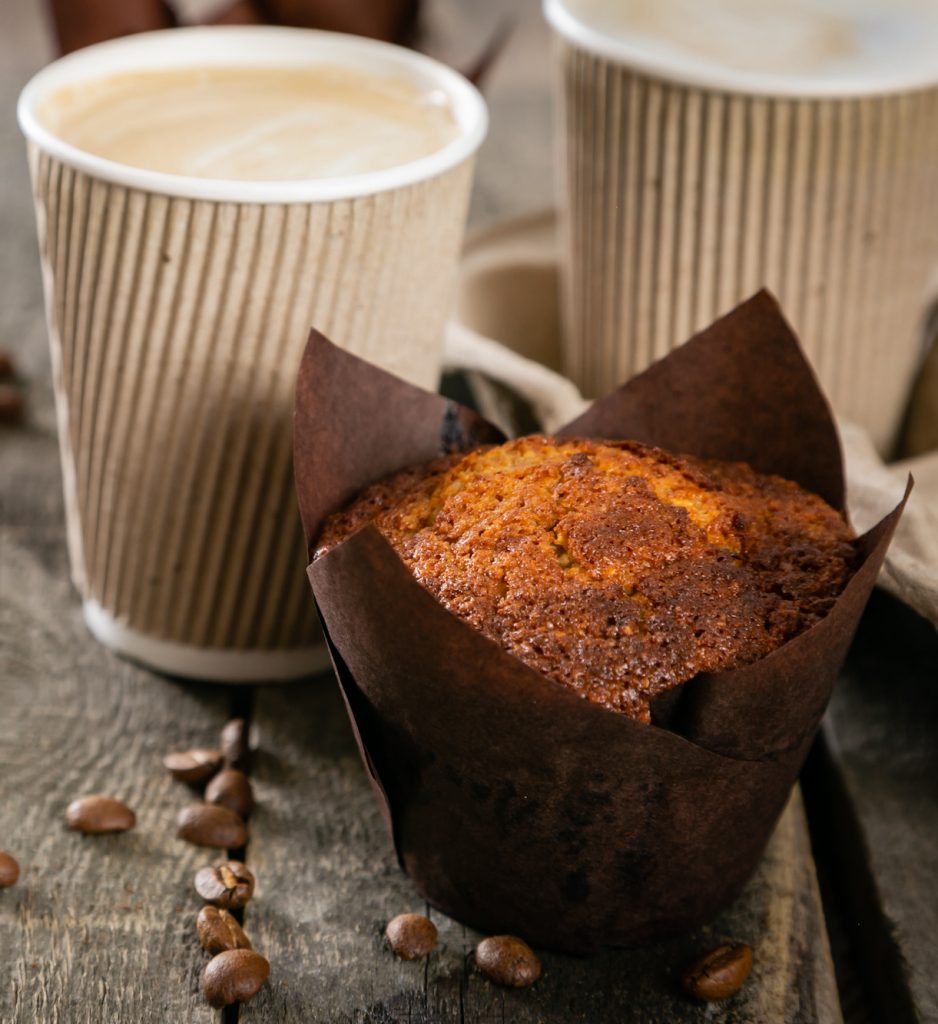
x: 513, y: 804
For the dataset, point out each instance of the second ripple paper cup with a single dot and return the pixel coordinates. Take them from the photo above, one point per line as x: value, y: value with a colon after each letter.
x: 178, y: 309
x: 685, y: 188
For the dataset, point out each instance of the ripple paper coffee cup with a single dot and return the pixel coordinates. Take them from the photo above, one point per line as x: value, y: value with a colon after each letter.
x: 177, y: 311
x: 704, y: 154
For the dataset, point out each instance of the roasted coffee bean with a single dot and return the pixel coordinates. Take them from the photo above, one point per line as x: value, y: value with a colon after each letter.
x: 411, y: 936
x: 9, y: 870
x: 193, y: 765
x: 233, y: 977
x: 7, y: 365
x: 229, y: 885
x: 219, y: 931
x: 719, y: 973
x: 211, y: 825
x: 96, y: 814
x: 232, y: 789
x: 507, y: 960
x: 234, y: 743
x: 12, y: 406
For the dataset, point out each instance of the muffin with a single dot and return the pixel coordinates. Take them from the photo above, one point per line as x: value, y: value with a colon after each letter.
x: 614, y: 568
x: 515, y: 803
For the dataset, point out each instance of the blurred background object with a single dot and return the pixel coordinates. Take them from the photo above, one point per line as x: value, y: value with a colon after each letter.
x: 80, y: 23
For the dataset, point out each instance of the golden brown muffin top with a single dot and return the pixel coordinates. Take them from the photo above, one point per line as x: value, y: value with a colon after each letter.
x: 612, y: 567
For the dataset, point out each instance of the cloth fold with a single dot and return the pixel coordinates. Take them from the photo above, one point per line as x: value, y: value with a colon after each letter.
x: 910, y: 571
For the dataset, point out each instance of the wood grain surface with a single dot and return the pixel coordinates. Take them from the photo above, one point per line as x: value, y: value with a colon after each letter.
x: 328, y: 883
x: 99, y: 928
x: 874, y: 798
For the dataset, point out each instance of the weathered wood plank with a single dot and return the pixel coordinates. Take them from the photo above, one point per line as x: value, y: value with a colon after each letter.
x: 874, y: 784
x: 98, y: 928
x: 328, y: 882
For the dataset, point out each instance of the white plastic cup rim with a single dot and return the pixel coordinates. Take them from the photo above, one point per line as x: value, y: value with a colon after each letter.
x: 263, y: 46
x: 701, y: 74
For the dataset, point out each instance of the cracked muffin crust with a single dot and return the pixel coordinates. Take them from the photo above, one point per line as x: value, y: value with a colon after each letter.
x: 614, y: 568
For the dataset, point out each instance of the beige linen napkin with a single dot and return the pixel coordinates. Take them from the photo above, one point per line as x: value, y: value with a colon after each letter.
x: 873, y: 488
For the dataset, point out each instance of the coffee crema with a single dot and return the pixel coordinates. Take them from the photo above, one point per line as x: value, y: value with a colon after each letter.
x: 252, y: 123
x: 838, y: 39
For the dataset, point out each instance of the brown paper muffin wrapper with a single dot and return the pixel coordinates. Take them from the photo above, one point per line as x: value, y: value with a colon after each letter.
x: 513, y: 804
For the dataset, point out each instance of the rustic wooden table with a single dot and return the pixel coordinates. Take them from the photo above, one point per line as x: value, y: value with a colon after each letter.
x: 102, y: 929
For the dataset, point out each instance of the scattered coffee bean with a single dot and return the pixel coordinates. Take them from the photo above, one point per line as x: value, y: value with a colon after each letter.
x: 7, y: 365
x: 9, y: 870
x: 234, y: 743
x: 231, y: 788
x: 507, y: 960
x: 193, y: 765
x: 229, y: 885
x: 219, y: 931
x: 12, y: 406
x: 233, y: 977
x: 719, y: 973
x: 411, y: 936
x: 95, y: 814
x: 211, y: 825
